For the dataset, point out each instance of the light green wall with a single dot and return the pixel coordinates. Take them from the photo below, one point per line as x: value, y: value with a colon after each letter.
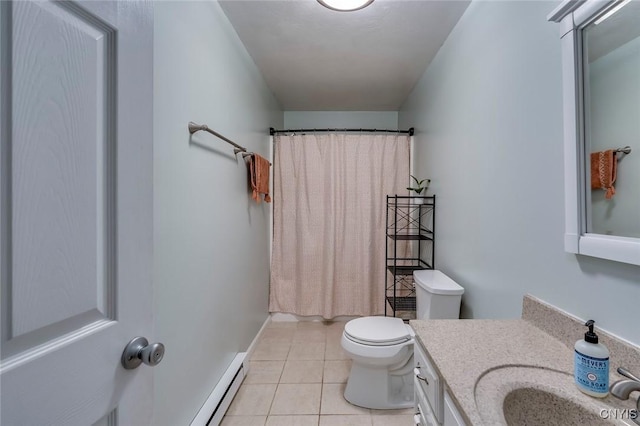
x: 341, y: 119
x: 211, y: 277
x: 489, y: 133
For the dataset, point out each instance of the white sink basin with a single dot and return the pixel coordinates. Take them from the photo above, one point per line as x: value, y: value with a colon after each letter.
x: 526, y: 395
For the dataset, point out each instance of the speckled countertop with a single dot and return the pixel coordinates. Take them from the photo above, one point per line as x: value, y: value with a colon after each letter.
x: 464, y: 350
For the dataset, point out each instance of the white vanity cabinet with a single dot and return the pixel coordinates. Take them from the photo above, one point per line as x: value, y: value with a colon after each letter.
x: 452, y: 416
x: 434, y: 406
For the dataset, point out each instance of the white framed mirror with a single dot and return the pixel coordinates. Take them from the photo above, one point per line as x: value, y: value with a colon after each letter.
x: 601, y: 93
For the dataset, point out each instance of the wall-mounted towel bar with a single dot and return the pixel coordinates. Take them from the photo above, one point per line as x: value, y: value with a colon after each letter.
x: 193, y: 127
x: 625, y: 150
x: 249, y: 154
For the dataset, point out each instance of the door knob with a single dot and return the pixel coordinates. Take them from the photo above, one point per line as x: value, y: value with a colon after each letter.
x: 139, y: 351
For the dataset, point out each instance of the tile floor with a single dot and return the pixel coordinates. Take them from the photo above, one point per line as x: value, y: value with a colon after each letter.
x: 297, y: 376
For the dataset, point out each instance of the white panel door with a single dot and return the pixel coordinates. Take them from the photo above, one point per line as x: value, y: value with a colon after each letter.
x: 76, y: 210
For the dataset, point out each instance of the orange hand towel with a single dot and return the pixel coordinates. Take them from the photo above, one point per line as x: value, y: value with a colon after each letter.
x: 603, y: 171
x: 259, y: 175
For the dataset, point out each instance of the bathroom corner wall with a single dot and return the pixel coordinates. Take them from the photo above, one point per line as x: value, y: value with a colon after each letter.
x: 341, y: 119
x: 211, y: 277
x: 488, y: 119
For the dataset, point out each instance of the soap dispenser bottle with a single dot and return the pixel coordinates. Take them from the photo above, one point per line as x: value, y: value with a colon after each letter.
x: 591, y: 364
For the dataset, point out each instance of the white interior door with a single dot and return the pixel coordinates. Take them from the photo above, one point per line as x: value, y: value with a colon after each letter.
x: 76, y: 210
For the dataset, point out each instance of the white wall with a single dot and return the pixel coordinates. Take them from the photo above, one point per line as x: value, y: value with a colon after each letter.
x: 488, y: 119
x: 211, y: 240
x: 614, y: 80
x: 341, y: 119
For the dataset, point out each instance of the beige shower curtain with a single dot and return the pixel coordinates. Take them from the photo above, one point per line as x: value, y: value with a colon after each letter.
x: 329, y: 212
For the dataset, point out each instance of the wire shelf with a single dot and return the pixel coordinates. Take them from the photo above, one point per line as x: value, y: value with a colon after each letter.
x: 410, y: 247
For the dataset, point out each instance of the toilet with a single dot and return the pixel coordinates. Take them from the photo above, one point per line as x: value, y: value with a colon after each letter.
x: 381, y: 348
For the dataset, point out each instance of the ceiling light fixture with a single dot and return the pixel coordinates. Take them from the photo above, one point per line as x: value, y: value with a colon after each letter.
x: 345, y: 5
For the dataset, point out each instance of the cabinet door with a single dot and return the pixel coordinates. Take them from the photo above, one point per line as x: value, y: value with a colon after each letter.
x: 452, y: 416
x: 425, y: 416
x: 428, y: 381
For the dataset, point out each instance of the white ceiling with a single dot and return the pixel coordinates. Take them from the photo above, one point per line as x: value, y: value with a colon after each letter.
x: 316, y: 59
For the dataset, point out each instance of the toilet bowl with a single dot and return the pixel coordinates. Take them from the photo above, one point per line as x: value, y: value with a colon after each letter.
x: 381, y: 348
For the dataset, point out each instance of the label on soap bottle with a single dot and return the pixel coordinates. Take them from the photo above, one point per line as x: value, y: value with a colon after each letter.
x: 592, y: 373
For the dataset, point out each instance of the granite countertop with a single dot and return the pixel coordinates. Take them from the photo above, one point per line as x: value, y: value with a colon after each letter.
x: 462, y: 351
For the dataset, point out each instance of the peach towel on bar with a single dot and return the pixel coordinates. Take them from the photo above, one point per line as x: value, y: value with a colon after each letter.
x: 259, y: 174
x: 603, y: 171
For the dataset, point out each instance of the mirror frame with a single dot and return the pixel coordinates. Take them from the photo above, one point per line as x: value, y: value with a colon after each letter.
x: 573, y: 16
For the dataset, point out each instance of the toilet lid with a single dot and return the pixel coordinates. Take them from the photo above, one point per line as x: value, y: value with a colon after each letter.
x: 377, y: 331
x: 435, y: 282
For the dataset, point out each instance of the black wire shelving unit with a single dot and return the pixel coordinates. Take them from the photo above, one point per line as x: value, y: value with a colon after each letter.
x: 410, y: 246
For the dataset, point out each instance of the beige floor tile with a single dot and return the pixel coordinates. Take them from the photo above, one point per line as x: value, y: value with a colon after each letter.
x: 334, y: 351
x: 342, y: 420
x: 335, y: 330
x: 397, y: 420
x: 336, y: 371
x: 402, y: 411
x: 284, y: 334
x: 264, y: 372
x: 296, y: 399
x: 333, y: 401
x: 309, y: 325
x: 310, y: 335
x: 307, y: 350
x: 243, y: 421
x: 270, y: 350
x: 292, y: 421
x: 301, y: 371
x: 283, y: 324
x: 336, y: 325
x: 334, y: 336
x: 292, y: 354
x: 252, y: 400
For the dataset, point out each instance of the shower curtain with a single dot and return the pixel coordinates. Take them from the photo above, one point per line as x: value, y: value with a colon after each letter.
x: 329, y: 210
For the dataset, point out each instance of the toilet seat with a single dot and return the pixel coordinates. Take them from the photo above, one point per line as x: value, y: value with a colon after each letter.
x: 378, y: 331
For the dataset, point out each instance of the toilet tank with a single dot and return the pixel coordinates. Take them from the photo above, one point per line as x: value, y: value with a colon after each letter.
x: 437, y: 295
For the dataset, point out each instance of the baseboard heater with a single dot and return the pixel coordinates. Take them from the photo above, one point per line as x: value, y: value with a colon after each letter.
x: 220, y: 398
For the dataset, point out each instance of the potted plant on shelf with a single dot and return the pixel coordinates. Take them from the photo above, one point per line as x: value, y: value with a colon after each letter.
x: 421, y: 185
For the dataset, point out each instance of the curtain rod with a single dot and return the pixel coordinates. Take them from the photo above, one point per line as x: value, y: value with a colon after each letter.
x: 273, y: 131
